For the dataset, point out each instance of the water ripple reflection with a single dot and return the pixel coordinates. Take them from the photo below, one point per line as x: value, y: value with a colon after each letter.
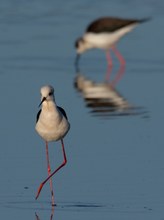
x: 77, y: 206
x: 104, y: 100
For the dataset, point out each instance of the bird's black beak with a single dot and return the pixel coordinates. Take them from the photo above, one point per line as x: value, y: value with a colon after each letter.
x: 44, y: 98
x: 77, y: 62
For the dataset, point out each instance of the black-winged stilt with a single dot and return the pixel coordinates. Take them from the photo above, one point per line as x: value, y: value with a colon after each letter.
x: 104, y: 33
x: 52, y: 125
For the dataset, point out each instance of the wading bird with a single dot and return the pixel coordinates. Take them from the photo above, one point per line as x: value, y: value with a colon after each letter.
x: 52, y: 125
x: 104, y: 33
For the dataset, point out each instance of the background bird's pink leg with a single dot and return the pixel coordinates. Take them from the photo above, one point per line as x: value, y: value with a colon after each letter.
x: 109, y: 67
x: 49, y: 173
x: 122, y: 66
x: 64, y: 163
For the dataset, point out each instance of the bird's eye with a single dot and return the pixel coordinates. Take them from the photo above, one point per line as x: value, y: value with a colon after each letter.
x: 50, y: 93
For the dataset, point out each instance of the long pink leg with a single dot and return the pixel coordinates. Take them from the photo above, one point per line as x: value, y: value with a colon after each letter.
x: 63, y: 164
x: 109, y: 67
x: 122, y: 66
x: 49, y: 173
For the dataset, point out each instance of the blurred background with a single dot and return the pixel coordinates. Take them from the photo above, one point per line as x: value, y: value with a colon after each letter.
x: 115, y: 166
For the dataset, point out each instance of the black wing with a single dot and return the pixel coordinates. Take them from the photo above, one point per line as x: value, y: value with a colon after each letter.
x: 38, y: 114
x: 62, y: 111
x: 111, y: 24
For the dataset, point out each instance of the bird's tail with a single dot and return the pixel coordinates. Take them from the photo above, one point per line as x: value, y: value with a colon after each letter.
x: 145, y: 20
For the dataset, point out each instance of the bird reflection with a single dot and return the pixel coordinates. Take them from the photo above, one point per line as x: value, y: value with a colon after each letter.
x: 102, y: 98
x: 51, y: 216
x: 112, y: 82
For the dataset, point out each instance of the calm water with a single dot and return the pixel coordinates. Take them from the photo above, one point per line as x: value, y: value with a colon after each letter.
x: 115, y: 164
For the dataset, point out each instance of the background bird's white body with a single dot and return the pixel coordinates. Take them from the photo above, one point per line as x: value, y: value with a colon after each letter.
x: 104, y: 40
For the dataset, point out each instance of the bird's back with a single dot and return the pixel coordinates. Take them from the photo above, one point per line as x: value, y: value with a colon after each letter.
x: 111, y: 24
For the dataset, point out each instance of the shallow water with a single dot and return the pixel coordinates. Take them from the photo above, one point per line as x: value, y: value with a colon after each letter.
x: 115, y: 166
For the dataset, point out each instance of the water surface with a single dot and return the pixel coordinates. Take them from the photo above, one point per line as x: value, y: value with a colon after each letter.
x: 115, y: 164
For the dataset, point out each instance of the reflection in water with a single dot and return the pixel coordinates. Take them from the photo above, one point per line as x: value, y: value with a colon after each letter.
x: 119, y: 73
x: 51, y: 216
x: 102, y: 98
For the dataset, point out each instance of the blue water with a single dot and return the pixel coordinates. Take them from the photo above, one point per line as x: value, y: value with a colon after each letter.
x: 115, y: 166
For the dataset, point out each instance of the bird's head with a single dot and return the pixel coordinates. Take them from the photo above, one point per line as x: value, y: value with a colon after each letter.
x: 80, y: 45
x: 47, y: 94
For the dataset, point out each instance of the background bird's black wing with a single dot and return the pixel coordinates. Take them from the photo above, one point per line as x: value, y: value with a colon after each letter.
x: 110, y: 24
x: 62, y: 111
x: 38, y: 114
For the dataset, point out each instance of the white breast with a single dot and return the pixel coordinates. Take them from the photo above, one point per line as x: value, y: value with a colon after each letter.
x: 52, y: 125
x: 106, y: 40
